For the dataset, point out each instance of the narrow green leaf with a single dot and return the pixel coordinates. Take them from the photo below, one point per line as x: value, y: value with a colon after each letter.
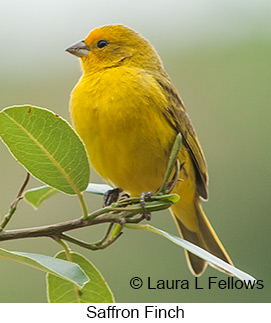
x: 95, y: 291
x: 171, y: 198
x: 37, y: 195
x: 195, y: 250
x: 117, y: 228
x: 64, y: 269
x: 171, y: 162
x: 47, y: 146
x: 99, y: 189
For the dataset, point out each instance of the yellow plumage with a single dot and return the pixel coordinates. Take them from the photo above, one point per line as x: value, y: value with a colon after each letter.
x: 128, y: 113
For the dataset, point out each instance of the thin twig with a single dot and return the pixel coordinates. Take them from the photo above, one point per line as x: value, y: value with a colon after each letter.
x: 13, y: 205
x: 106, y: 234
x: 91, y: 246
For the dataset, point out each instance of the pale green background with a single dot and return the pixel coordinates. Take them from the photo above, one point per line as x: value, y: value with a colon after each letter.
x: 218, y: 54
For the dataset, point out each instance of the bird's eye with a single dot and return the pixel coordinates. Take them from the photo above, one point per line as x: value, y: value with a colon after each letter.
x: 102, y: 43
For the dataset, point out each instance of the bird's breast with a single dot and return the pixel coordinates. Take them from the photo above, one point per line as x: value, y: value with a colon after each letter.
x: 119, y: 117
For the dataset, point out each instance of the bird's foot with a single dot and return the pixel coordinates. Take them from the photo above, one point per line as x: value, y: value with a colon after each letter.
x: 145, y: 196
x: 111, y: 196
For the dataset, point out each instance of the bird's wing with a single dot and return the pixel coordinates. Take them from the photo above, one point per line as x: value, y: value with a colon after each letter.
x: 176, y: 115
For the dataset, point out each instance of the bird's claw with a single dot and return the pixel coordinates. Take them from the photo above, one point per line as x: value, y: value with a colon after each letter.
x: 111, y: 196
x: 143, y: 197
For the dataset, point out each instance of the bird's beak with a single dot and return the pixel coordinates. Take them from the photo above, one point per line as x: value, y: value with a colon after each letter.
x: 79, y: 49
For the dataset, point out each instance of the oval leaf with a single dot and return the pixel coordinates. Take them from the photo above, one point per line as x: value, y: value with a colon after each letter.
x: 95, y: 291
x: 37, y: 195
x: 64, y: 269
x: 47, y: 146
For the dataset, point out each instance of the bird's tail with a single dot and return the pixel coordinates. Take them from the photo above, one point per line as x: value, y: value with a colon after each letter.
x: 202, y: 235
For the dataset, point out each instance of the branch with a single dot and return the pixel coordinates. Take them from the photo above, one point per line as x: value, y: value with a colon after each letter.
x: 56, y: 230
x: 124, y: 211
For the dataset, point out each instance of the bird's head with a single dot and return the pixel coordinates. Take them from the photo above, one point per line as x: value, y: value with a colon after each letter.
x: 112, y: 46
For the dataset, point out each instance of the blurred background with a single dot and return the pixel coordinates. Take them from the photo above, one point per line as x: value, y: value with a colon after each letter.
x: 218, y: 54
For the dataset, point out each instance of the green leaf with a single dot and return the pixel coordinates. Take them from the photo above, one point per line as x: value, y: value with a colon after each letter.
x: 195, y: 250
x: 66, y: 270
x: 99, y: 189
x: 37, y: 195
x: 171, y: 198
x: 47, y: 146
x: 95, y: 291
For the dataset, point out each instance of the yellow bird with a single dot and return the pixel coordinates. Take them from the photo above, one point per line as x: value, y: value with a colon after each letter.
x: 128, y: 113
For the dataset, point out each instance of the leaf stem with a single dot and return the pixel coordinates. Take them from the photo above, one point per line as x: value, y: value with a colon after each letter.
x: 83, y: 205
x: 67, y: 250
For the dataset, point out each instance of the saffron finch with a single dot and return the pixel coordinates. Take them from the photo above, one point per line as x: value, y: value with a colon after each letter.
x: 128, y: 113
